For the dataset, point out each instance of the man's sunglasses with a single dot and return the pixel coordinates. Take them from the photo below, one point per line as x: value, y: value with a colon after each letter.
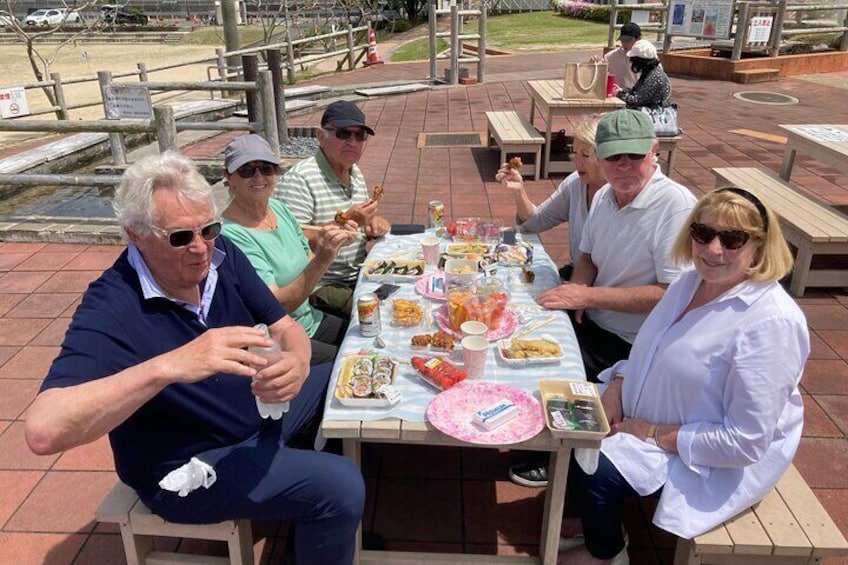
x: 629, y: 156
x: 247, y: 171
x: 730, y: 239
x: 344, y: 134
x: 182, y: 237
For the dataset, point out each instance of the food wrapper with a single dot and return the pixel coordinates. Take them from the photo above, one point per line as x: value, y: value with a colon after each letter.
x: 189, y: 477
x: 516, y: 255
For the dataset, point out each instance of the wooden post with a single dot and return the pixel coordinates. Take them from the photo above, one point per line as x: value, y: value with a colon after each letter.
x: 741, y: 32
x: 290, y: 56
x: 221, y: 63
x: 275, y: 62
x: 613, y: 23
x: 251, y: 71
x: 269, y: 115
x: 351, y: 51
x: 166, y: 128
x: 142, y: 72
x: 664, y: 21
x: 431, y: 22
x: 116, y: 140
x: 843, y: 43
x: 454, y: 44
x: 777, y: 29
x: 62, y: 112
x: 481, y: 44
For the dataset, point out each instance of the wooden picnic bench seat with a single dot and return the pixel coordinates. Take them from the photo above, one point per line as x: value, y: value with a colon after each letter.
x: 668, y: 145
x: 138, y: 526
x: 513, y: 133
x: 788, y: 526
x: 814, y: 228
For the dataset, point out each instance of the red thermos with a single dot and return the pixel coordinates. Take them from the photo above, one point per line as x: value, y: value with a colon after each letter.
x: 610, y: 85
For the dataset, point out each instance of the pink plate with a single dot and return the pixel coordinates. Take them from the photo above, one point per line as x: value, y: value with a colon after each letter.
x: 452, y: 413
x: 506, y: 325
x: 422, y: 286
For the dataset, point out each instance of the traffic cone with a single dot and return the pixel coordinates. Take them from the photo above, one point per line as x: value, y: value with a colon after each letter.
x: 373, y: 58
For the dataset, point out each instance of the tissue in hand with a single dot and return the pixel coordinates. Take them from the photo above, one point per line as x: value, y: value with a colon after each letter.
x: 273, y: 410
x: 189, y: 477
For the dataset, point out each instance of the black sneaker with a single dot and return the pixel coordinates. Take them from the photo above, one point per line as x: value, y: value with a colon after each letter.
x: 531, y: 473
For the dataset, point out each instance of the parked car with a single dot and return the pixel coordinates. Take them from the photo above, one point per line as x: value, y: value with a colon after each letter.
x: 6, y: 19
x: 52, y: 17
x: 116, y: 14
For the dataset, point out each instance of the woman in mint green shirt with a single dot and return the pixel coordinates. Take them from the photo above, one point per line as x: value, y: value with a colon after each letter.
x: 265, y: 230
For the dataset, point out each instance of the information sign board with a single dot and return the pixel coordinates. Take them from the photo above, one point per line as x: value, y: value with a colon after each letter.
x: 13, y: 102
x: 127, y: 102
x: 700, y: 18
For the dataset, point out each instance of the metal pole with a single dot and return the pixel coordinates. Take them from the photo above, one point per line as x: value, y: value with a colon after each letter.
x: 454, y: 43
x: 62, y: 112
x: 433, y: 28
x: 250, y: 64
x: 166, y: 128
x: 116, y: 140
x: 269, y: 115
x: 481, y: 44
x: 275, y: 62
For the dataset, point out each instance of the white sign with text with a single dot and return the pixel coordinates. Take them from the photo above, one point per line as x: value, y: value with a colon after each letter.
x: 127, y: 102
x: 13, y: 102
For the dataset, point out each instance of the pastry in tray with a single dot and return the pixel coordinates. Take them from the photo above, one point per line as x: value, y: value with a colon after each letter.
x: 380, y: 269
x: 532, y: 347
x: 467, y: 247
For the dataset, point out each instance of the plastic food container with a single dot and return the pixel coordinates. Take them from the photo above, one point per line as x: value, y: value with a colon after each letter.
x: 504, y: 347
x: 361, y: 381
x: 573, y: 409
x: 460, y: 273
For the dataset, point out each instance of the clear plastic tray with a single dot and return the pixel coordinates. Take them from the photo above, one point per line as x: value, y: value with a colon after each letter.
x: 344, y: 393
x: 393, y: 270
x: 573, y: 394
x: 503, y: 348
x: 415, y: 317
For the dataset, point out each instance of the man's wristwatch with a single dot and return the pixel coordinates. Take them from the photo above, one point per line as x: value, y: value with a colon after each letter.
x: 652, y: 435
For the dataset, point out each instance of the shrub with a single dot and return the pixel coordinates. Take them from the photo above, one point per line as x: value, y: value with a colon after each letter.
x: 587, y: 11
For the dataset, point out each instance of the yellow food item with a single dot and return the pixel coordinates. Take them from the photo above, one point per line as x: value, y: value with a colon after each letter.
x: 527, y: 348
x: 406, y: 312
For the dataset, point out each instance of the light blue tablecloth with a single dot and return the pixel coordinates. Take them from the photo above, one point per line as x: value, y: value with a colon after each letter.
x: 416, y: 393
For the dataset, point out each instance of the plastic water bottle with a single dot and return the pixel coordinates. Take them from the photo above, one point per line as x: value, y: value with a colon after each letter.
x: 273, y: 410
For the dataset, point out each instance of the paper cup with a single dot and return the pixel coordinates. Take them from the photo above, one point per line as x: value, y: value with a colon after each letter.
x: 430, y: 250
x: 474, y: 328
x: 474, y: 352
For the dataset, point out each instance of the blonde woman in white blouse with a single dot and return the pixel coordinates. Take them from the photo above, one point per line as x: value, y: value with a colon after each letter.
x: 706, y: 411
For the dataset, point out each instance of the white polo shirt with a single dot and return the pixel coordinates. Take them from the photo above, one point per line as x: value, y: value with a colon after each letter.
x: 631, y: 246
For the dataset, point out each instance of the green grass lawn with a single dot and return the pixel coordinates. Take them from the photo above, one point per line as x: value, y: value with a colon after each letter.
x: 528, y: 31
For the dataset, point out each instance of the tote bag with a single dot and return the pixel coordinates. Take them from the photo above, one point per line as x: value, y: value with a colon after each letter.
x: 585, y: 81
x: 664, y: 119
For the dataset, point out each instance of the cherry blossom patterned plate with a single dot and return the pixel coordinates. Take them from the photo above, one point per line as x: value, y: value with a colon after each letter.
x: 425, y: 286
x: 506, y: 325
x: 452, y: 413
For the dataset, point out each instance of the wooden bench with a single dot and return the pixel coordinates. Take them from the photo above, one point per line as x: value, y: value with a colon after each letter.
x: 138, y: 526
x: 812, y: 227
x: 788, y: 526
x: 668, y: 145
x: 514, y: 133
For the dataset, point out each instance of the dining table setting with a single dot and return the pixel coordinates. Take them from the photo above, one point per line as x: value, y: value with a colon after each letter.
x: 447, y: 346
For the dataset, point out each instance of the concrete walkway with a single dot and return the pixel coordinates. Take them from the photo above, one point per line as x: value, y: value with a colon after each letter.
x: 442, y: 499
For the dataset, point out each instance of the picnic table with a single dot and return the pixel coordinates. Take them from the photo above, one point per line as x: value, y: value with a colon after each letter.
x: 406, y: 422
x: 827, y: 143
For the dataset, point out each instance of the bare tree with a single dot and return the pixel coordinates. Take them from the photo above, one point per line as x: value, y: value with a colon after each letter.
x: 42, y: 55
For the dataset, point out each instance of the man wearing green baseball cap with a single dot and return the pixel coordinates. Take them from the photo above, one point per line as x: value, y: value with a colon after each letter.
x: 625, y: 264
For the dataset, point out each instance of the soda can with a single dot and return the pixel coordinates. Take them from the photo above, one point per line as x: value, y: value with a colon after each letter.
x: 368, y: 310
x: 436, y: 214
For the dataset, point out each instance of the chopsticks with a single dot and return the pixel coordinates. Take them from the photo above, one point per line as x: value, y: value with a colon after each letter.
x: 534, y: 326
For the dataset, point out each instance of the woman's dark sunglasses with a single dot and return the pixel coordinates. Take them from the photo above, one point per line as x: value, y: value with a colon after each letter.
x: 183, y: 237
x: 344, y: 134
x: 730, y: 239
x: 247, y: 171
x: 630, y: 157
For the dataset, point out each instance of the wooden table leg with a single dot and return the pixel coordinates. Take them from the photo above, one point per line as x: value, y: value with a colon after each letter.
x: 352, y: 449
x: 547, y: 161
x: 788, y: 161
x: 554, y: 504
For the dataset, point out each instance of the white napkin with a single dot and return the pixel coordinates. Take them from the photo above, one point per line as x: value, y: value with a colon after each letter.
x: 189, y: 477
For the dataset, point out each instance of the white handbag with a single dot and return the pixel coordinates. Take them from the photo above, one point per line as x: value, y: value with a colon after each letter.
x: 664, y: 119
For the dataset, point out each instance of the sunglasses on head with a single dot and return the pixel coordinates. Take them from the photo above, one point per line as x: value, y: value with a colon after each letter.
x: 247, y: 171
x: 344, y: 134
x: 182, y: 237
x: 730, y: 239
x: 629, y: 156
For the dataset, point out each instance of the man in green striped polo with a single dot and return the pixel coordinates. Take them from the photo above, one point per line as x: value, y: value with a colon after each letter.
x: 317, y: 188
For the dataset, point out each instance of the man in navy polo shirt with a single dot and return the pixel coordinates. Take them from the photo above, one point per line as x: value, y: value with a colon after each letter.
x: 156, y: 356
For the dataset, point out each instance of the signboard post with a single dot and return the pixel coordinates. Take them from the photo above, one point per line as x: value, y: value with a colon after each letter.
x: 710, y: 19
x: 127, y: 102
x: 13, y: 102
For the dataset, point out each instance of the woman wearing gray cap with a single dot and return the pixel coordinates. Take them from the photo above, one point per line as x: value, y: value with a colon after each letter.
x: 265, y: 230
x: 653, y: 89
